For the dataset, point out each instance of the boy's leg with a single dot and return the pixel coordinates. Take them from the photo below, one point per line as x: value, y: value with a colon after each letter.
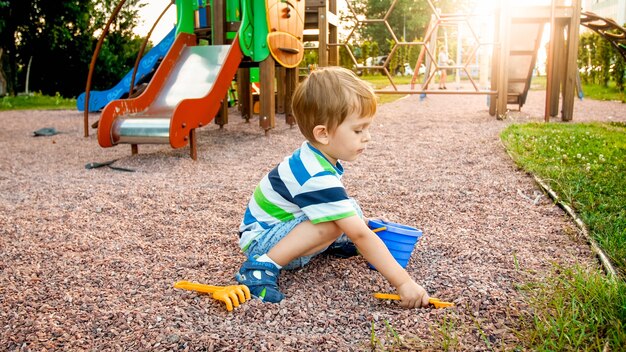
x: 304, y: 240
x: 281, y: 245
x: 343, y: 246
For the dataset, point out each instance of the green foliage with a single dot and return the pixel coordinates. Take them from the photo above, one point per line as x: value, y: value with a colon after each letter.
x: 311, y: 57
x: 60, y: 37
x: 585, y: 164
x: 117, y: 57
x: 344, y: 57
x: 599, y: 62
x: 619, y: 73
x: 365, y: 53
x: 395, y: 62
x: 374, y: 49
x: 408, y: 18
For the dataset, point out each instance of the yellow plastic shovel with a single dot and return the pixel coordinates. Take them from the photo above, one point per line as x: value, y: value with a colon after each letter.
x: 434, y: 301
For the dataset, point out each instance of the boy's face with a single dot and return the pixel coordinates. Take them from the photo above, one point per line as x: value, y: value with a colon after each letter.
x: 349, y: 139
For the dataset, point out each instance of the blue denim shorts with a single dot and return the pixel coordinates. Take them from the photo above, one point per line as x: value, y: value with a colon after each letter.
x: 264, y: 242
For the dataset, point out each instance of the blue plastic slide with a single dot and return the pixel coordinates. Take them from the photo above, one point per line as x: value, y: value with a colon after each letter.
x: 99, y: 99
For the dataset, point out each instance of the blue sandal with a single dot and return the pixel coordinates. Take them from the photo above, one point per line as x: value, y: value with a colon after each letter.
x: 265, y: 288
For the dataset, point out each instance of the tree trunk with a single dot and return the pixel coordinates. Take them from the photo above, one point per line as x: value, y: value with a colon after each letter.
x: 3, y: 78
x: 8, y: 66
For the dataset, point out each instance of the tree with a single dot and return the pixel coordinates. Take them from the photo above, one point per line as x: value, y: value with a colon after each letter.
x: 599, y: 61
x: 344, y: 57
x: 13, y: 14
x: 60, y: 37
x: 409, y: 18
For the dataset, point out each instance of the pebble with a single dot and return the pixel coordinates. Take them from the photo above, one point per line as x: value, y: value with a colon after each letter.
x: 84, y: 250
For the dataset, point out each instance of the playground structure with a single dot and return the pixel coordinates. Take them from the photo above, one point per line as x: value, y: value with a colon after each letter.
x: 520, y: 31
x: 517, y: 36
x: 608, y: 29
x: 144, y: 71
x: 189, y: 87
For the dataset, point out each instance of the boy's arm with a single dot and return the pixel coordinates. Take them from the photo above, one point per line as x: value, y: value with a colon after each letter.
x: 375, y: 252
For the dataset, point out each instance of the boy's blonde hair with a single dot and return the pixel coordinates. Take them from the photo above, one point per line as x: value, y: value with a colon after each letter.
x: 327, y: 96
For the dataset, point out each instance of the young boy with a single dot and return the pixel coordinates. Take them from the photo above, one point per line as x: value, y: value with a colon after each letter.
x: 300, y: 208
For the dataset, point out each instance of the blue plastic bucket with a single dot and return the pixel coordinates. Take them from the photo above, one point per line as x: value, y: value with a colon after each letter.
x: 399, y: 239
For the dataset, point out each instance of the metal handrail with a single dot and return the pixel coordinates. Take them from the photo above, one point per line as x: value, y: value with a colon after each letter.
x: 93, y: 63
x: 143, y: 47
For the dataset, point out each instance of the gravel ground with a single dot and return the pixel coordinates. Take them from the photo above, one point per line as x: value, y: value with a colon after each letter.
x: 88, y: 257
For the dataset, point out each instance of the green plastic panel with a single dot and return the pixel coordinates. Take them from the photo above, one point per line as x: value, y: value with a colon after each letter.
x: 254, y: 75
x: 233, y: 10
x: 233, y: 14
x: 254, y: 30
x: 185, y: 16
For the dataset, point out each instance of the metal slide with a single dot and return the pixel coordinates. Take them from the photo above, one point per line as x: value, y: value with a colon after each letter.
x: 185, y: 93
x: 99, y: 99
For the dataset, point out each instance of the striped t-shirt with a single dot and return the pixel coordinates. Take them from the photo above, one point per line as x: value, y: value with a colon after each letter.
x: 305, y: 183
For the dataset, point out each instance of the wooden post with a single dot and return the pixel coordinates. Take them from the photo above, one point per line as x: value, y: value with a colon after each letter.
x: 219, y: 38
x: 134, y: 149
x: 322, y: 21
x: 557, y: 68
x: 333, y: 51
x: 219, y: 20
x: 193, y: 144
x: 280, y: 90
x: 222, y: 114
x: 267, y: 98
x: 244, y: 93
x: 569, y: 89
x: 550, y: 64
x: 503, y: 65
x: 291, y: 80
x: 495, y: 63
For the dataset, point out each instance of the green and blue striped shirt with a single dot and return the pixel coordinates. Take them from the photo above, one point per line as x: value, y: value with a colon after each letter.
x: 305, y: 183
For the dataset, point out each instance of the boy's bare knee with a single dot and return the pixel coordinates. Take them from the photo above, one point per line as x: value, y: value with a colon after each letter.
x: 328, y: 231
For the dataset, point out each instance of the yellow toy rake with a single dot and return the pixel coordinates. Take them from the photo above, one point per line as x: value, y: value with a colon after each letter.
x: 232, y: 295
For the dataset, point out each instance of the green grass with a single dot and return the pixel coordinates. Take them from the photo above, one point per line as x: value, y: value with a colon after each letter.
x: 446, y: 333
x: 538, y: 83
x: 585, y: 165
x: 576, y: 310
x: 390, y: 341
x: 36, y: 101
x: 600, y: 92
x: 381, y: 81
x: 590, y: 91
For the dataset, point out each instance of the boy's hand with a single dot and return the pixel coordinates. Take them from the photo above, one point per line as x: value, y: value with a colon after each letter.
x: 412, y: 295
x: 377, y: 218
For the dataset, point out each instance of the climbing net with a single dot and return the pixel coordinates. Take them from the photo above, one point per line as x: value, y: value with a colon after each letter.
x: 469, y: 44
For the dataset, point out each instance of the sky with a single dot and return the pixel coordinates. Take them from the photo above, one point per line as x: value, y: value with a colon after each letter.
x: 149, y: 14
